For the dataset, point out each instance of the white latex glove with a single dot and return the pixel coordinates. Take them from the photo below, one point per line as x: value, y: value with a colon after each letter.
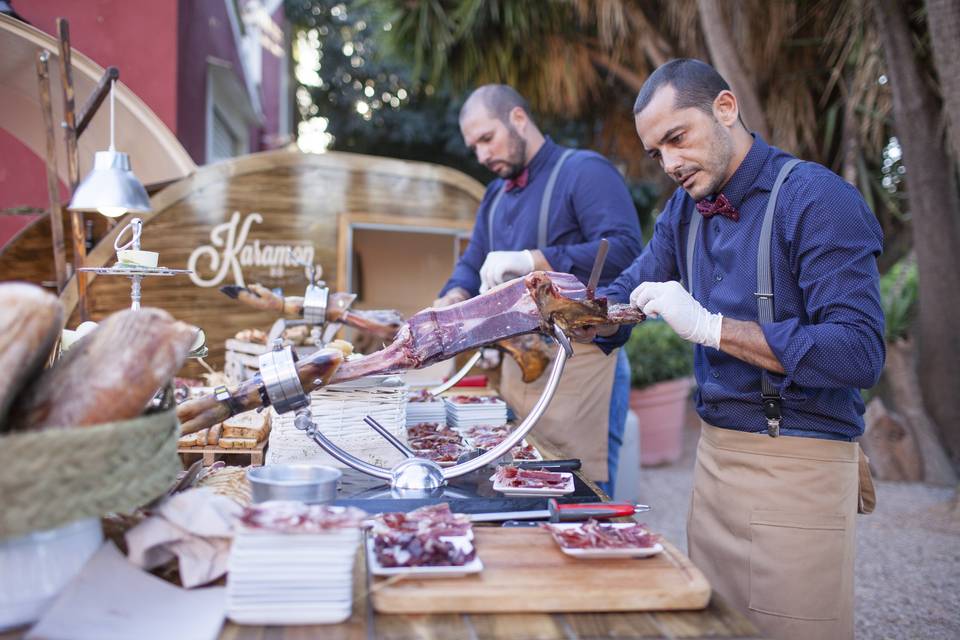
x: 501, y: 266
x: 677, y: 307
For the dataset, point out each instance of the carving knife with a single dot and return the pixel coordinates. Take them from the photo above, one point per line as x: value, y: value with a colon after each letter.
x: 597, y: 268
x: 573, y: 512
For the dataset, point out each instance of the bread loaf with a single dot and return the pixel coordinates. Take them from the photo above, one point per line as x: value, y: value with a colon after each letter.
x: 30, y: 320
x: 213, y: 434
x: 189, y: 440
x: 110, y: 374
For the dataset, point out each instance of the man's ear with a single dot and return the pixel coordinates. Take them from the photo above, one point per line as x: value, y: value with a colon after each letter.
x: 725, y: 108
x: 518, y: 118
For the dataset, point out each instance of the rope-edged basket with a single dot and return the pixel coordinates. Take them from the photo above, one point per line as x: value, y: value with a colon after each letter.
x: 56, y: 476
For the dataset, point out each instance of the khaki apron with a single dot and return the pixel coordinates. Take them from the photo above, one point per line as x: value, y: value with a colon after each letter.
x: 772, y: 526
x: 576, y: 421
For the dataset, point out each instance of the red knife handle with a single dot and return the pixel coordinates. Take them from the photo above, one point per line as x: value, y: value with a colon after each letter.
x: 584, y: 511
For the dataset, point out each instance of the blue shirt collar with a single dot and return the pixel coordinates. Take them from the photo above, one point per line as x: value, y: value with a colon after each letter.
x: 541, y: 158
x: 745, y: 178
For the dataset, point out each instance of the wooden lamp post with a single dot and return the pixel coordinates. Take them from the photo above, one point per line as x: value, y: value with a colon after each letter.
x: 73, y: 127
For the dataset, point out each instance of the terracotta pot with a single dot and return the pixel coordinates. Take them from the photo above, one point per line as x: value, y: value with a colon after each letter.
x: 660, y: 410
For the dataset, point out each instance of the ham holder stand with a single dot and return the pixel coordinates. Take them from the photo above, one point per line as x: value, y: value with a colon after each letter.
x: 411, y: 476
x: 316, y: 299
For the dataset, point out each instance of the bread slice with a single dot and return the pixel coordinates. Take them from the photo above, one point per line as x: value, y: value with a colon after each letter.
x: 237, y: 443
x: 213, y: 434
x: 189, y: 440
x: 247, y: 425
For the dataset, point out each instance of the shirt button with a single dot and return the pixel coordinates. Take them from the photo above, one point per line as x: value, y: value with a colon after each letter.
x: 713, y: 407
x: 716, y: 227
x: 715, y: 373
x: 718, y: 277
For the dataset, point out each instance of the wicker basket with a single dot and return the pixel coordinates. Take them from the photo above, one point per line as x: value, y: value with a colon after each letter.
x: 56, y: 476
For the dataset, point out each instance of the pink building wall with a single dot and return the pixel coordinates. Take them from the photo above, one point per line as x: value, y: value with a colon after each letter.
x: 137, y: 37
x: 205, y: 31
x: 162, y: 49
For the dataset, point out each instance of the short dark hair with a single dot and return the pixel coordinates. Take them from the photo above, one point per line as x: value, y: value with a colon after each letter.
x: 498, y: 99
x: 697, y: 85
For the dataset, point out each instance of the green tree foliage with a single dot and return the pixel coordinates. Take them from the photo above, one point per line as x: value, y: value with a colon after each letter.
x: 898, y: 295
x: 402, y: 118
x: 360, y: 62
x: 657, y: 354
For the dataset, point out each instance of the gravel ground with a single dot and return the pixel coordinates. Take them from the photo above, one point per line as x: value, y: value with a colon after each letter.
x: 908, y: 550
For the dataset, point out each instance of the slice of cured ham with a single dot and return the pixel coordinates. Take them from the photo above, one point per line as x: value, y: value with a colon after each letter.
x: 512, y: 476
x: 595, y: 535
x: 430, y: 536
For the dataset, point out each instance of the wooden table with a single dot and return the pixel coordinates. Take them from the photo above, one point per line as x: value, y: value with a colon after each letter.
x: 716, y: 621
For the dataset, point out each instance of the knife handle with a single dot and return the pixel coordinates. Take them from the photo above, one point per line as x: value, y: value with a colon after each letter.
x: 584, y: 511
x: 572, y: 464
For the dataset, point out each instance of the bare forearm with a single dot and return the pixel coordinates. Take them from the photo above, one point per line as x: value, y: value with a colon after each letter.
x: 745, y: 340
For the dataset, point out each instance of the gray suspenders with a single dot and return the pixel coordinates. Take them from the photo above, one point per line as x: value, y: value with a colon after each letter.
x: 544, y: 205
x: 768, y: 393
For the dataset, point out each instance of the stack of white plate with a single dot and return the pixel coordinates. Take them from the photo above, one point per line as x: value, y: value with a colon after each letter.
x: 338, y: 412
x: 462, y: 414
x: 433, y: 411
x: 292, y: 575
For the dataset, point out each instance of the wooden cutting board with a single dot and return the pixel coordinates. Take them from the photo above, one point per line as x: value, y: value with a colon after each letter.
x: 524, y: 570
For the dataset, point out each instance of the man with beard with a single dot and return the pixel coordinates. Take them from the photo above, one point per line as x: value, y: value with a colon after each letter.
x: 781, y: 297
x: 548, y: 210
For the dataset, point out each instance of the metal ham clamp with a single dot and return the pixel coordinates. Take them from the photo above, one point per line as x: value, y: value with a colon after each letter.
x: 316, y: 300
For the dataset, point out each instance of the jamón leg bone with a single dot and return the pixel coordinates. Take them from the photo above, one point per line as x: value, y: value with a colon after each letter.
x: 531, y: 353
x: 381, y: 323
x: 524, y: 305
x: 315, y: 371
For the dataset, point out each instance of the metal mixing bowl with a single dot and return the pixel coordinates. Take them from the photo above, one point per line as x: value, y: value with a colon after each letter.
x: 303, y: 482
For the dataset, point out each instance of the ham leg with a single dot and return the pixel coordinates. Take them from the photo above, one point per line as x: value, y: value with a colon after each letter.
x: 525, y: 305
x: 381, y: 323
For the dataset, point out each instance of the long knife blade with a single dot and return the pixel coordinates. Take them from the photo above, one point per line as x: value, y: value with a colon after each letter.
x: 539, y: 514
x: 597, y: 267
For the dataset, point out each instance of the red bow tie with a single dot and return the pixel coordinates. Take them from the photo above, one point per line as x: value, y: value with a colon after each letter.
x: 519, y: 182
x: 720, y: 205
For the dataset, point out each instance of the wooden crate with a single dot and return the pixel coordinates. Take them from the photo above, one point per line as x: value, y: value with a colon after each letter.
x: 241, y: 359
x: 211, y: 453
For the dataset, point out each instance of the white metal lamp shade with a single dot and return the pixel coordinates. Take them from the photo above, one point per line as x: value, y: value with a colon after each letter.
x: 111, y: 188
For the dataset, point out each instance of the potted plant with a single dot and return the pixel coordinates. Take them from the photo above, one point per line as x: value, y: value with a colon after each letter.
x: 661, y: 369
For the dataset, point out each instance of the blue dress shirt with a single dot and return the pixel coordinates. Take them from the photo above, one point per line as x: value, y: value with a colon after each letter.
x: 590, y: 201
x: 828, y: 323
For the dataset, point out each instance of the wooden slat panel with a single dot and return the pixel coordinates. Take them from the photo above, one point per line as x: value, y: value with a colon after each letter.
x: 542, y: 626
x: 299, y: 199
x: 613, y: 625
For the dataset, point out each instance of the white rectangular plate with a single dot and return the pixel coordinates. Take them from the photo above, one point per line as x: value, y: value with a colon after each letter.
x: 474, y: 566
x: 306, y: 615
x: 506, y: 490
x: 588, y: 554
